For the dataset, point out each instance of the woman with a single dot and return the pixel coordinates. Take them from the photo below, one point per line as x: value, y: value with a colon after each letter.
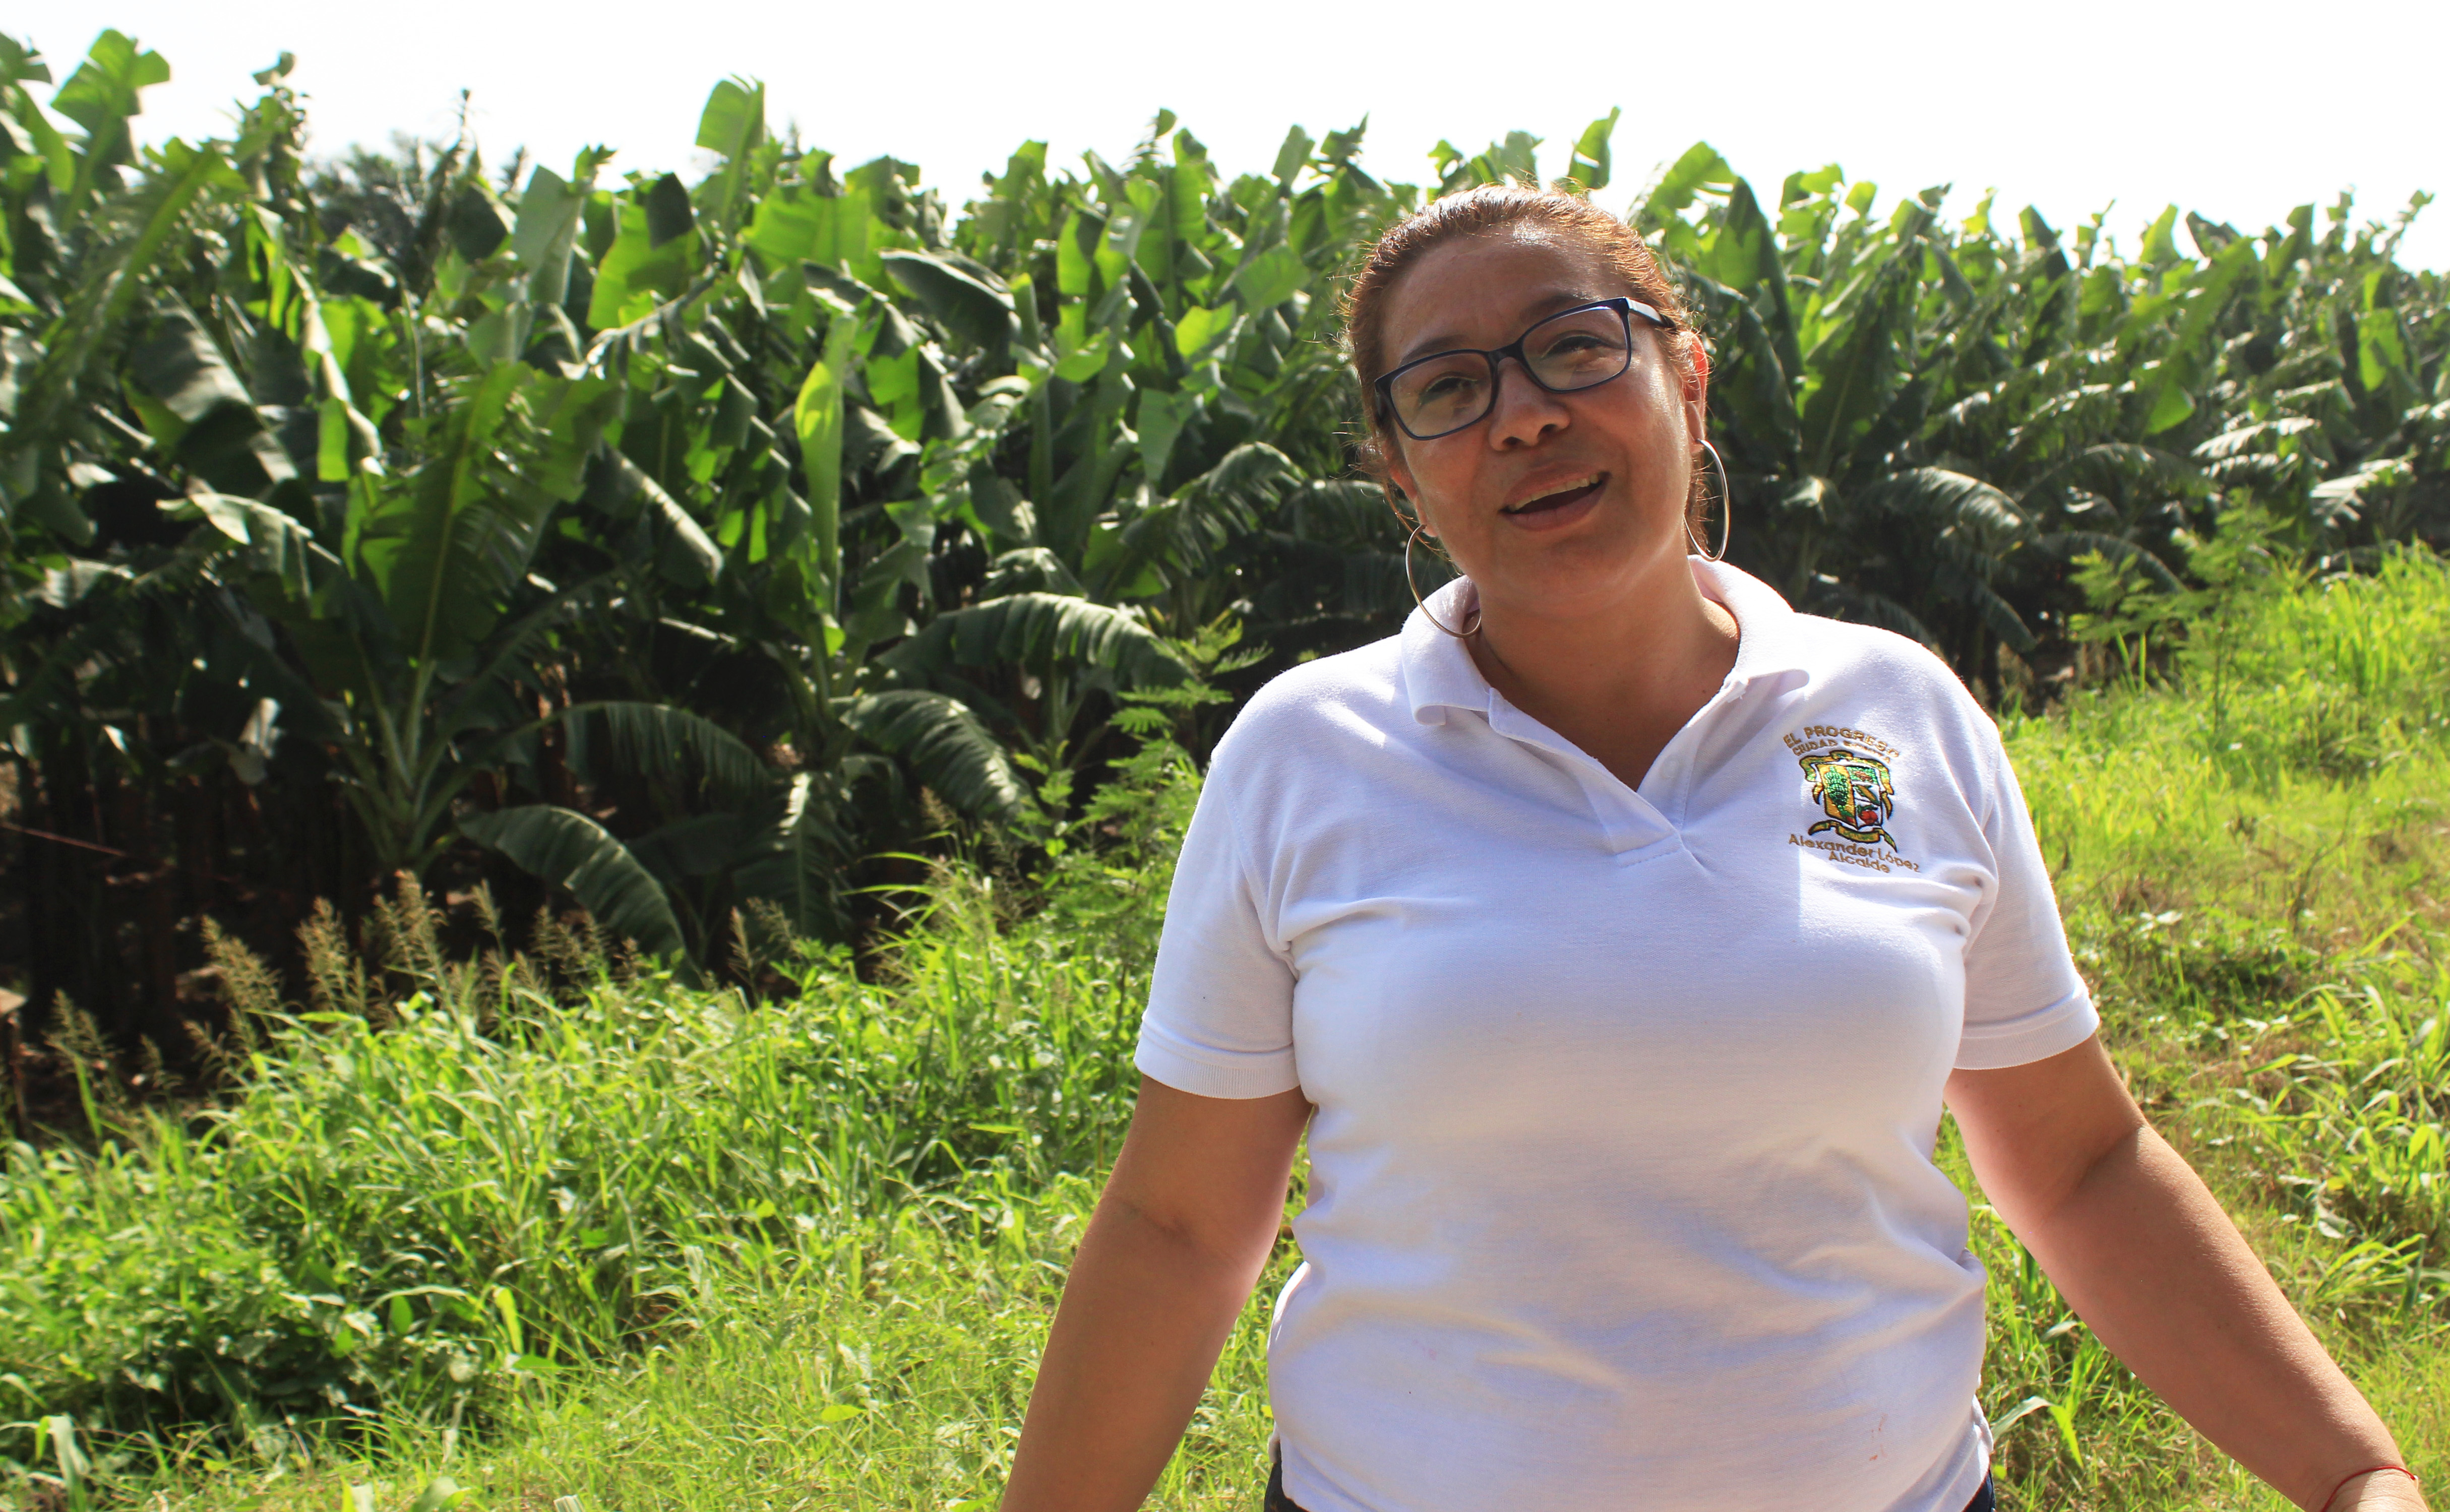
x: 1615, y: 933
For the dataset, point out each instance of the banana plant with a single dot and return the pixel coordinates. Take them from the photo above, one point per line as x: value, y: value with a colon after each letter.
x: 1835, y: 346
x: 2339, y: 415
x: 672, y: 540
x: 1928, y: 424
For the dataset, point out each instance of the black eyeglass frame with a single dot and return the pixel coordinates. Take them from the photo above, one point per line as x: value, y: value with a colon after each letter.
x: 1626, y: 308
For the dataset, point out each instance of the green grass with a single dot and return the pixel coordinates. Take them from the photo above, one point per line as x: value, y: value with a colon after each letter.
x: 650, y: 1248
x: 2255, y: 869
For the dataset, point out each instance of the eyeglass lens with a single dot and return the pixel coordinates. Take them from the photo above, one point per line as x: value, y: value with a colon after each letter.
x: 1575, y: 349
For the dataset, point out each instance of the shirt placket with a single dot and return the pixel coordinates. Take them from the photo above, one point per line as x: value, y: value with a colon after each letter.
x: 1631, y: 827
x: 1671, y: 773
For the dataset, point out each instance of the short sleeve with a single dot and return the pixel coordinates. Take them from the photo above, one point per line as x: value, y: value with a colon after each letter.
x: 2024, y: 1000
x: 1221, y: 1010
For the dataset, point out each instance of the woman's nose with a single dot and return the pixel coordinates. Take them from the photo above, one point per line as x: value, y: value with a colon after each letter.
x: 1522, y: 413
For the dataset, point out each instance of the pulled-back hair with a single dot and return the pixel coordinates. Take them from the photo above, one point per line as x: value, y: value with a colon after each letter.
x: 1489, y: 209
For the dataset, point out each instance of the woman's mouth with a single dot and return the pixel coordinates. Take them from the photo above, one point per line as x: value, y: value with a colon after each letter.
x: 1549, y: 506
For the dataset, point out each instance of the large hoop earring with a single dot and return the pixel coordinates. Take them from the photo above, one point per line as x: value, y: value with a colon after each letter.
x: 1466, y: 633
x: 1726, y: 510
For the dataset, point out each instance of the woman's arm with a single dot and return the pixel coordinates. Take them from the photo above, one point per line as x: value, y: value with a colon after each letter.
x: 1180, y: 1237
x: 2130, y: 1234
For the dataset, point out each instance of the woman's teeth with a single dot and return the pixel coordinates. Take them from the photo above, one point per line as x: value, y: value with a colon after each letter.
x: 1558, y: 497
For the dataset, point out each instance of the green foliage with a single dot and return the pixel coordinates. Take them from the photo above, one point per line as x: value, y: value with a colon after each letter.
x: 367, y: 477
x: 946, y: 745
x: 2248, y: 827
x: 2343, y: 681
x: 434, y: 1184
x: 362, y: 477
x: 2091, y: 403
x: 679, y: 546
x: 587, y: 1221
x: 499, y: 1184
x: 573, y: 851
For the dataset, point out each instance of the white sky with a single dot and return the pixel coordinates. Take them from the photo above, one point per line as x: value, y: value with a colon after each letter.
x: 2239, y: 110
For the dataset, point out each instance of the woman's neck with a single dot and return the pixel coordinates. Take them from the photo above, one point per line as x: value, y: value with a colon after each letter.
x: 1618, y: 678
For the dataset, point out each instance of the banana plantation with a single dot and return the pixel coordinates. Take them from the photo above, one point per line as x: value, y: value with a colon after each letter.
x: 690, y: 551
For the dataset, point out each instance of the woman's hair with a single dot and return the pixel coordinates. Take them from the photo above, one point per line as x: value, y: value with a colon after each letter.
x: 1489, y: 209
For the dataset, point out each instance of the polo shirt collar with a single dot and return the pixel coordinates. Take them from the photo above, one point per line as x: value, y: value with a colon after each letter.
x: 1439, y: 674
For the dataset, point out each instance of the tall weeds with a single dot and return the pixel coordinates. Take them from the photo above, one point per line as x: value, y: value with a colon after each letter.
x: 437, y: 1180
x: 584, y: 1208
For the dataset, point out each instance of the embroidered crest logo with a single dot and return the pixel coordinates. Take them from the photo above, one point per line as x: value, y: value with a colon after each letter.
x: 1854, y: 791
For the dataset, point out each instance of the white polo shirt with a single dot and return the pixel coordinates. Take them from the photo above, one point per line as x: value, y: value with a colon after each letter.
x: 1621, y: 1192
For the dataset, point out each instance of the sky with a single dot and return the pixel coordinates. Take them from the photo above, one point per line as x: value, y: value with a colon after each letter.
x: 2238, y: 110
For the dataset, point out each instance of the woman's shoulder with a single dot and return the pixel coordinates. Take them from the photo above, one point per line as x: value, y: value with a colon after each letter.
x: 1838, y: 652
x: 1875, y: 684
x: 1327, y: 700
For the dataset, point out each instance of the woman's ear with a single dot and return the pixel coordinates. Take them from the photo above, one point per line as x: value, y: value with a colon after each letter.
x: 1401, y: 490
x: 1697, y: 386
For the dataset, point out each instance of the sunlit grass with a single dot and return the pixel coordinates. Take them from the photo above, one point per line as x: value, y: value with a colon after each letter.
x: 652, y: 1248
x: 2253, y: 870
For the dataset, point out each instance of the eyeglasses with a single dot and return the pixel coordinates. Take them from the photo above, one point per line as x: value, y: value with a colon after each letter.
x: 1580, y: 348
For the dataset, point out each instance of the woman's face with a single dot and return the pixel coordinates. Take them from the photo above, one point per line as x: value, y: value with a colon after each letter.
x: 1553, y: 503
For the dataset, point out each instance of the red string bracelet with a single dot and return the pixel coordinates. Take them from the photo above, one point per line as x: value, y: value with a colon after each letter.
x: 2370, y: 1469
